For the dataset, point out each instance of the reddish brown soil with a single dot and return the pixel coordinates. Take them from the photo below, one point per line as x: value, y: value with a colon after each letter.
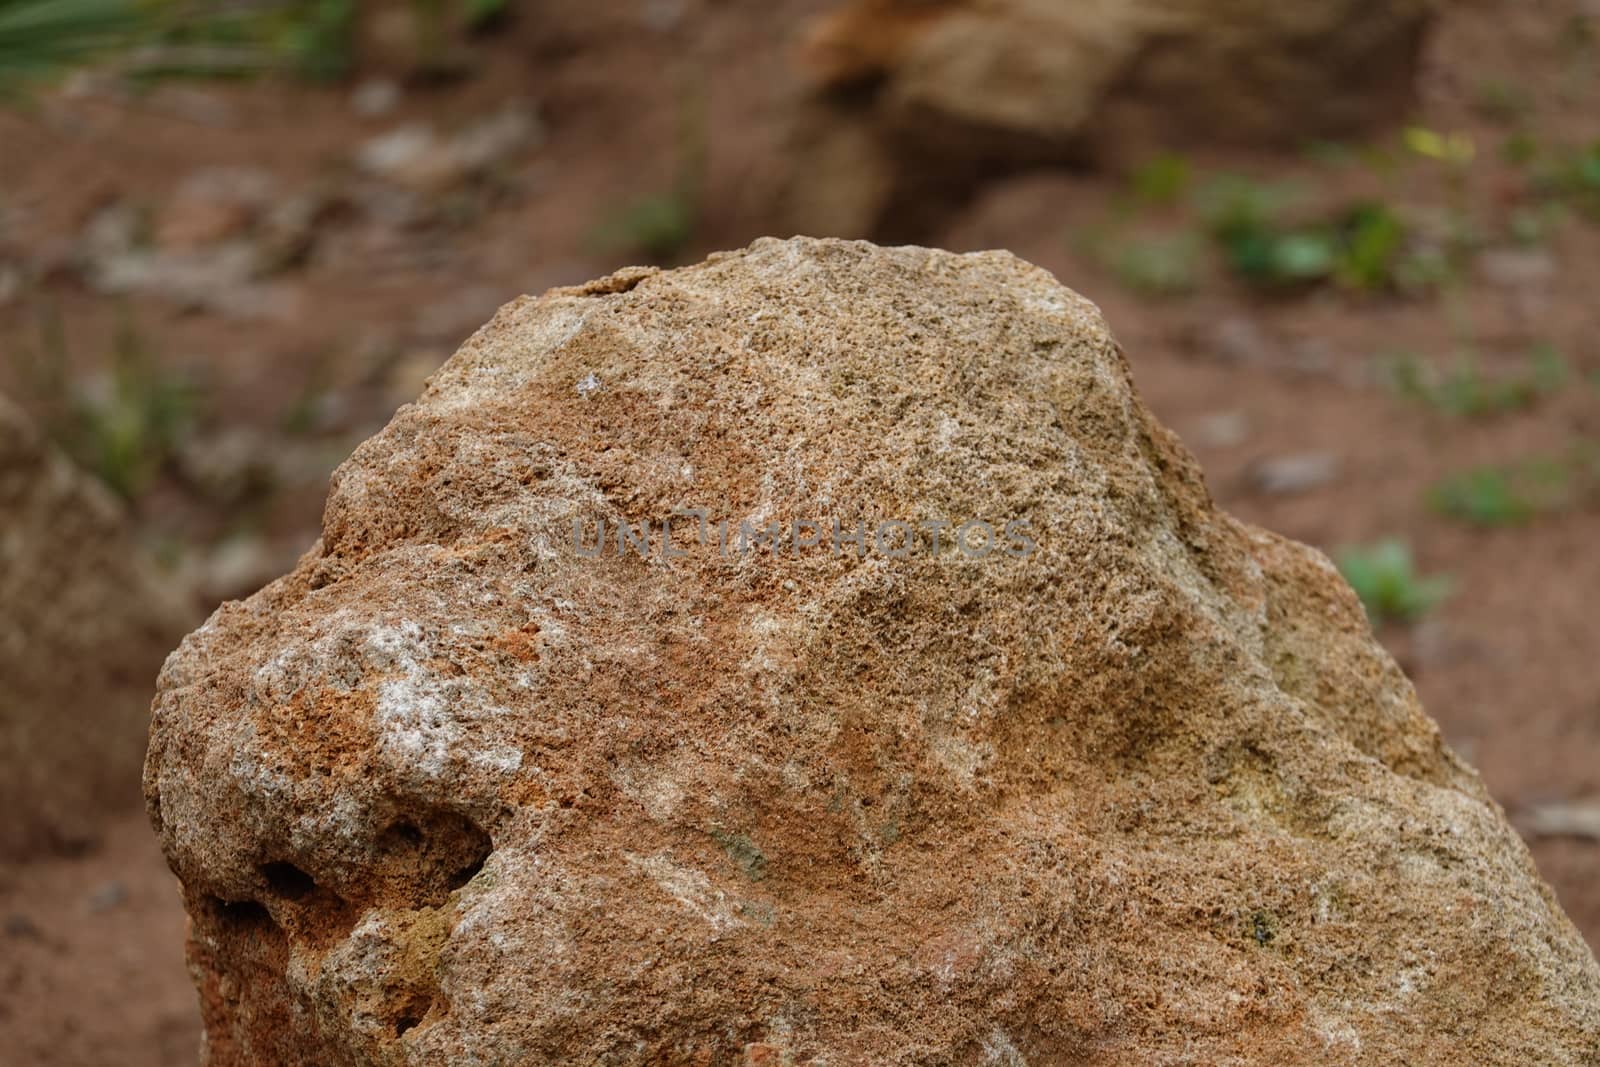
x: 1508, y: 664
x: 92, y: 964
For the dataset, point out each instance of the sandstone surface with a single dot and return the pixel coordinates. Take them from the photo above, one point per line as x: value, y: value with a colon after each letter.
x: 1133, y: 785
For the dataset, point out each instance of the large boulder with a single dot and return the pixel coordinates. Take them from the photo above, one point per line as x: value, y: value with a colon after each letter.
x: 947, y: 91
x: 84, y: 626
x: 1127, y: 781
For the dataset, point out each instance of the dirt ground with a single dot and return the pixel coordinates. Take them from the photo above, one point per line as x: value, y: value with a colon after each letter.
x: 1280, y: 396
x: 92, y: 968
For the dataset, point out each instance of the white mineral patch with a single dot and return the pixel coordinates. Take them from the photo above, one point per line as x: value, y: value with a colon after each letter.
x: 961, y: 758
x: 658, y: 790
x: 421, y: 716
x: 1335, y: 1031
x: 999, y: 1049
x: 689, y: 887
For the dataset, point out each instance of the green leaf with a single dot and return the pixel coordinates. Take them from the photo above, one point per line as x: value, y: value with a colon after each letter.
x: 1483, y: 496
x: 1385, y: 578
x: 1303, y: 256
x: 1163, y: 180
x: 43, y: 38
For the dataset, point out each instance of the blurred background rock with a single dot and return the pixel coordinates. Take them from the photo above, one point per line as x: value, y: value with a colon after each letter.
x: 1350, y: 246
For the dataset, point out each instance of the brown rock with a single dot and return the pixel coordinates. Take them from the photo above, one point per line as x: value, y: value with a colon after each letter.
x: 956, y: 89
x: 83, y: 631
x: 1147, y: 792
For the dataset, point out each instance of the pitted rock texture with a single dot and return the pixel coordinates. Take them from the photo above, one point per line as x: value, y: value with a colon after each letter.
x: 84, y: 625
x: 454, y: 792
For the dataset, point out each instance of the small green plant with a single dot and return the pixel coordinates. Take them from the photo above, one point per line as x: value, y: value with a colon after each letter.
x: 660, y: 225
x: 1293, y: 256
x: 1360, y: 247
x: 1272, y: 258
x: 1534, y: 224
x: 1408, y: 376
x: 129, y: 431
x: 316, y: 37
x: 1501, y: 101
x: 1549, y: 372
x: 1514, y: 493
x: 125, y: 425
x: 1230, y: 203
x: 1159, y: 266
x: 1464, y: 391
x: 1519, y: 148
x: 1372, y: 239
x: 1242, y: 216
x: 1482, y: 496
x: 1162, y: 182
x: 1576, y: 175
x: 1385, y: 577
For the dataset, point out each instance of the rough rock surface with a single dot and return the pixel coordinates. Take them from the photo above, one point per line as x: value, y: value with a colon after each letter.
x: 83, y: 629
x: 976, y: 84
x: 1149, y: 792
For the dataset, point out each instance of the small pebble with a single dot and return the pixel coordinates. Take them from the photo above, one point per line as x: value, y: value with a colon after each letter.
x: 375, y: 98
x: 111, y: 895
x: 1295, y: 474
x: 19, y: 925
x: 1222, y: 429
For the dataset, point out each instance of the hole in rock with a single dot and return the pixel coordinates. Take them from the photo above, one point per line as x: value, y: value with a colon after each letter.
x: 468, y: 873
x: 428, y: 855
x: 241, y: 912
x: 402, y: 835
x: 411, y: 1012
x: 287, y: 880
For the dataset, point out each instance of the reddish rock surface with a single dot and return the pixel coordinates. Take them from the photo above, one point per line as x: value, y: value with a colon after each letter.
x: 1137, y: 786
